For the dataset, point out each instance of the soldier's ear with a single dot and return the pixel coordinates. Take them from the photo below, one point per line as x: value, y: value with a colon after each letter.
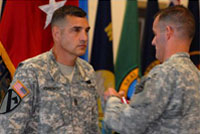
x: 56, y: 33
x: 169, y: 32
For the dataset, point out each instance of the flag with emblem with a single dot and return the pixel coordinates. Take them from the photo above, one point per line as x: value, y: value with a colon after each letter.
x: 6, y: 72
x: 102, y: 52
x: 6, y: 67
x: 128, y: 55
x: 148, y: 60
x: 24, y: 27
x: 193, y: 6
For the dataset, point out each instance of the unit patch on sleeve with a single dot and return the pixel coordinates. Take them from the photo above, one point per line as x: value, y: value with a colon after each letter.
x: 13, y: 97
x: 10, y: 101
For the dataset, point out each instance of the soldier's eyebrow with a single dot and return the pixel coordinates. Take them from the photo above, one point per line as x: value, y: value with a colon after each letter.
x: 87, y: 29
x: 76, y: 28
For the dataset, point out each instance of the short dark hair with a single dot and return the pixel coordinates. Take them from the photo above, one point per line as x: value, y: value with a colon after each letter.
x: 181, y: 17
x: 65, y: 10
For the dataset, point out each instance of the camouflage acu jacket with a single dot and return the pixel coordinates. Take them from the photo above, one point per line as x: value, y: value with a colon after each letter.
x: 169, y: 102
x: 41, y: 100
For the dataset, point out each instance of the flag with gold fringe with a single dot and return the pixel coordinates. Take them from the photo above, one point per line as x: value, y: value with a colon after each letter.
x: 148, y: 51
x: 24, y: 28
x: 7, y: 70
x: 128, y: 55
x: 102, y: 54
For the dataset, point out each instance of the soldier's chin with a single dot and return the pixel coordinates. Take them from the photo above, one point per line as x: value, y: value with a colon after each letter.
x: 156, y: 56
x: 82, y: 53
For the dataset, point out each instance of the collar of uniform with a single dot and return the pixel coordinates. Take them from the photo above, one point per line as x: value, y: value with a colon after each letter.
x: 54, y: 69
x: 181, y: 54
x: 56, y: 73
x: 81, y: 69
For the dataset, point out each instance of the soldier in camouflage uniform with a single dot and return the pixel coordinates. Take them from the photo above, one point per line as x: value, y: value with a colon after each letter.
x: 169, y: 97
x: 54, y: 92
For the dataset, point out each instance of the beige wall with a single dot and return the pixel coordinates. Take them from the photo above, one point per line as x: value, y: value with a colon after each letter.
x: 0, y: 5
x: 118, y: 8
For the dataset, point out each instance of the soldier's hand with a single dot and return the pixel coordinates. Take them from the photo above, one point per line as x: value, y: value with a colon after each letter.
x: 112, y: 92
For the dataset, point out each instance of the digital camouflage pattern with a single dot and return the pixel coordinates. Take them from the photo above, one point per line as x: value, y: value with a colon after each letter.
x: 53, y: 105
x: 168, y: 101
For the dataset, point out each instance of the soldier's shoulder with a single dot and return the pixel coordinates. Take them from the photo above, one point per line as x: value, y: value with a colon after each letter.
x: 163, y: 69
x: 34, y: 62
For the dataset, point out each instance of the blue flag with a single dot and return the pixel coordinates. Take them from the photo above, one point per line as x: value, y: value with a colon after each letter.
x: 102, y: 53
x: 84, y: 5
x: 102, y: 50
x: 193, y: 6
x: 148, y: 51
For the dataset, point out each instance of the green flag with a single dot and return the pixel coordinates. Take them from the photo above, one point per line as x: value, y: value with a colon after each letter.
x: 128, y: 56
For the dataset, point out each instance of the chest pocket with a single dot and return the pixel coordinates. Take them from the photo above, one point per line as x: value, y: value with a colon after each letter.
x: 85, y: 88
x: 51, y: 105
x: 84, y: 96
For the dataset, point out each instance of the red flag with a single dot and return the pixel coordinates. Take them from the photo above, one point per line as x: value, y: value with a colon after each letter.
x: 22, y: 31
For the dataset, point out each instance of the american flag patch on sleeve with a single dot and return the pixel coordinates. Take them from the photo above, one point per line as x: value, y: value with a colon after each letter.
x: 20, y: 89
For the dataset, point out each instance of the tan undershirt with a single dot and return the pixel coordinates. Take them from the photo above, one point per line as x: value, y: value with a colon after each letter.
x: 67, y: 71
